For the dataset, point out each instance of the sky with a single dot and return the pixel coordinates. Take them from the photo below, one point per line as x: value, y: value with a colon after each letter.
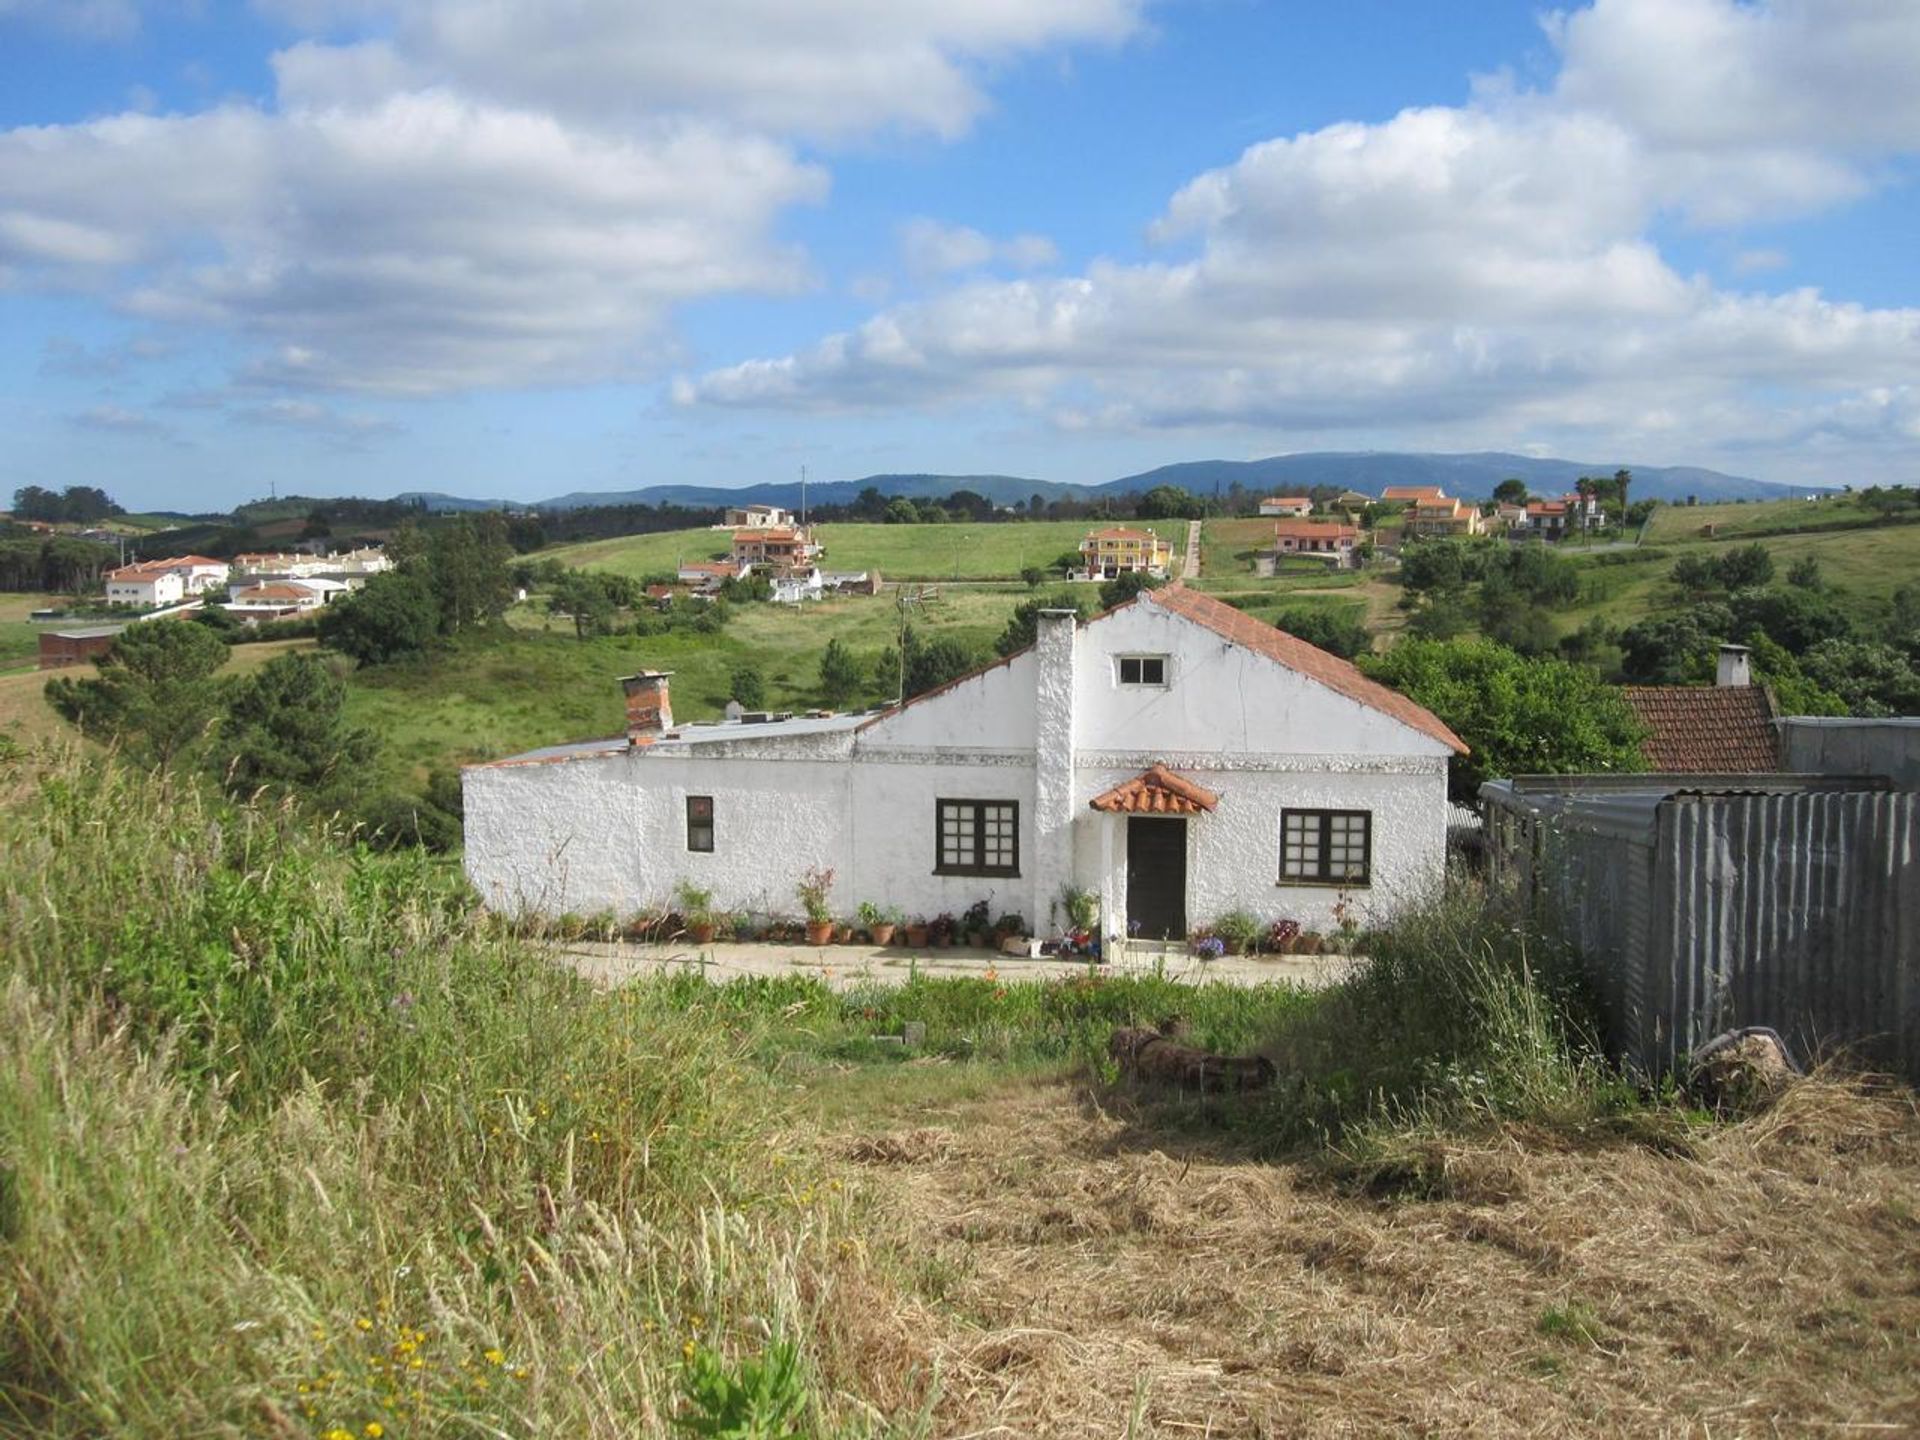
x: 517, y: 248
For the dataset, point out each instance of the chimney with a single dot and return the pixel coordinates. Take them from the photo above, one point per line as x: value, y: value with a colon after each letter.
x: 1057, y: 632
x: 648, y: 714
x: 1734, y: 669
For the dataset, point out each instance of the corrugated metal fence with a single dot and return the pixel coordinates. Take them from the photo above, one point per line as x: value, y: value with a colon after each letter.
x: 1702, y: 912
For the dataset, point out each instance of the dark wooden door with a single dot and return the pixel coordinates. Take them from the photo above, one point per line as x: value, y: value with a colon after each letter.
x: 1156, y: 878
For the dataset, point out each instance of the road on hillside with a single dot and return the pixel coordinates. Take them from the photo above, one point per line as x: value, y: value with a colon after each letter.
x: 1191, y: 570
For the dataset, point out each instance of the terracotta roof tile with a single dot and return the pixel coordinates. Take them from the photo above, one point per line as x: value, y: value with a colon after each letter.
x: 1314, y: 530
x: 1706, y: 729
x: 1297, y: 655
x: 1157, y: 791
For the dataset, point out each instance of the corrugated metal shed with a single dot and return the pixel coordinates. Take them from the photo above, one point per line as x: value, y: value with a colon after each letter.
x: 1793, y: 903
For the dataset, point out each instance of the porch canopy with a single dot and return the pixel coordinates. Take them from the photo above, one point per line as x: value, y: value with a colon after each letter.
x: 1157, y: 791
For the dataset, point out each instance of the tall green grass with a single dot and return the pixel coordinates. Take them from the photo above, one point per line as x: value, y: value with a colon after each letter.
x: 292, y: 1143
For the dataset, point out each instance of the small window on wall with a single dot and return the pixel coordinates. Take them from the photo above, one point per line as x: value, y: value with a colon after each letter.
x: 1143, y: 669
x: 699, y: 822
x: 1326, y: 847
x: 976, y: 837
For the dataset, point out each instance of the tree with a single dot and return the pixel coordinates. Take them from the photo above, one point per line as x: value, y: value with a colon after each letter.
x: 1520, y: 716
x: 1169, y: 502
x: 468, y: 559
x: 1744, y: 566
x: 927, y: 664
x: 1124, y: 586
x: 1805, y: 573
x: 1032, y: 575
x: 1675, y: 649
x: 747, y: 687
x: 1871, y: 678
x: 1695, y: 574
x: 154, y: 696
x: 1336, y: 631
x: 286, y: 730
x: 394, y: 617
x: 582, y: 595
x: 1511, y: 492
x: 1024, y: 624
x: 901, y: 511
x: 840, y: 673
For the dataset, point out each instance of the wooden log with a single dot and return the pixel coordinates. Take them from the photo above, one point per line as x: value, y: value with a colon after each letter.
x: 1151, y: 1055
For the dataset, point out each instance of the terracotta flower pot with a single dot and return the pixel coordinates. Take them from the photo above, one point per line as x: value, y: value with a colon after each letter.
x: 819, y: 932
x: 916, y: 935
x: 702, y: 934
x: 883, y: 934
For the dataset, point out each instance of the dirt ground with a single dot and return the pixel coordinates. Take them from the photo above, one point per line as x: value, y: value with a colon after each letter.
x: 1081, y: 1273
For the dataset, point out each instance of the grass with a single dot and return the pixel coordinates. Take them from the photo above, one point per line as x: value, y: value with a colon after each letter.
x: 352, y: 1156
x: 19, y: 640
x: 497, y: 695
x: 900, y: 552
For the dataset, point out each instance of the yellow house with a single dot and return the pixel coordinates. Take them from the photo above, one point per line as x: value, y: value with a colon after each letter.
x: 1107, y: 553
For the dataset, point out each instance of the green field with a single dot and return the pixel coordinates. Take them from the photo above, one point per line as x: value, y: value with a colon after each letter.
x: 19, y: 641
x: 899, y: 552
x: 1672, y: 523
x: 542, y: 686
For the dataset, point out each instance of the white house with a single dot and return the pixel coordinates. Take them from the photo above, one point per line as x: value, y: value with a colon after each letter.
x: 1176, y: 757
x: 758, y: 517
x: 151, y: 582
x: 284, y: 597
x: 1296, y: 505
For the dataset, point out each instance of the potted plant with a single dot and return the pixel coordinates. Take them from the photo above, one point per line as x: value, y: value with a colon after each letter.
x: 1308, y: 942
x: 1237, y: 928
x: 814, y: 888
x: 880, y: 922
x: 917, y: 931
x: 940, y: 930
x: 696, y: 910
x: 1082, y: 907
x: 975, y: 922
x: 1281, y: 936
x: 1207, y: 947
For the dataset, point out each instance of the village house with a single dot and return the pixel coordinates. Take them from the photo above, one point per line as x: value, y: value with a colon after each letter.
x: 1332, y: 543
x: 1727, y: 728
x: 1546, y: 519
x: 164, y: 582
x: 1443, y: 516
x: 1119, y: 550
x: 1297, y: 505
x: 777, y: 550
x: 758, y: 517
x: 704, y: 577
x: 1413, y: 494
x: 277, y: 599
x: 1174, y: 757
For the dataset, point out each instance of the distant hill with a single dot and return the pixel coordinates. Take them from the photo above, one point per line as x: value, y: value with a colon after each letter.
x: 1471, y: 477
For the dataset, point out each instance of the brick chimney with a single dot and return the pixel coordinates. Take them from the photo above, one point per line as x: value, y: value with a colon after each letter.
x: 1734, y: 670
x: 649, y: 716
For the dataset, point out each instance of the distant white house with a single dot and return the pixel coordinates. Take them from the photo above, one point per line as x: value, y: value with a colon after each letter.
x: 273, y: 598
x: 351, y: 567
x: 164, y: 582
x: 758, y: 517
x: 1174, y: 756
x: 710, y: 575
x: 1296, y: 505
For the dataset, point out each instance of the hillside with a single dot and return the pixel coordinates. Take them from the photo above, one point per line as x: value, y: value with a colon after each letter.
x: 1470, y: 476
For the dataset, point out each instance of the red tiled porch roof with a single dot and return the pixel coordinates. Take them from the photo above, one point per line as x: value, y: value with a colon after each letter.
x: 1157, y: 791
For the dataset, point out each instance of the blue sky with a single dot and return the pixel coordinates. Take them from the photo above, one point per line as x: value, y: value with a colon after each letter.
x: 532, y: 246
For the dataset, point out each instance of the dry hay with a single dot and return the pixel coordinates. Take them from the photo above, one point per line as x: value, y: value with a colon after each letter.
x: 1764, y: 1279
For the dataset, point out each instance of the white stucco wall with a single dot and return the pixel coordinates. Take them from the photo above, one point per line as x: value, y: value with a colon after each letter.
x: 608, y: 833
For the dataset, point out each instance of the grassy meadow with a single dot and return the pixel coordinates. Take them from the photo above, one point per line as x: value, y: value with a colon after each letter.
x: 306, y: 1146
x: 19, y: 642
x: 899, y: 552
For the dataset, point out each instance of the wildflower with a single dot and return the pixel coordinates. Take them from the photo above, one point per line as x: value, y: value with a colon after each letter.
x: 496, y: 1356
x: 363, y: 1324
x: 688, y: 1349
x: 374, y: 1430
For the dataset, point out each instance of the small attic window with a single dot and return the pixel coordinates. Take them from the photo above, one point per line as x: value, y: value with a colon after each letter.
x: 1142, y: 669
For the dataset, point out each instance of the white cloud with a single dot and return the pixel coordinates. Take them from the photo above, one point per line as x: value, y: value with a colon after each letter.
x: 452, y: 194
x: 1486, y: 272
x: 117, y: 420
x: 930, y: 248
x: 307, y: 415
x: 424, y: 244
x: 813, y: 67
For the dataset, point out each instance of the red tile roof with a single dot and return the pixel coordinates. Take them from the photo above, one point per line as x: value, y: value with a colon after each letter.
x: 1120, y: 532
x: 1706, y: 729
x: 1157, y: 791
x: 1413, y: 492
x: 1314, y: 530
x: 1316, y: 664
x: 1288, y: 500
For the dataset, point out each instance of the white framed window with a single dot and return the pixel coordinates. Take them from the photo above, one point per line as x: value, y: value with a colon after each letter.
x: 1141, y: 670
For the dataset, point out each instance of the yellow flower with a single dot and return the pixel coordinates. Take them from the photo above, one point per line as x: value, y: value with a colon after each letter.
x: 496, y: 1357
x: 688, y: 1348
x: 374, y: 1430
x: 363, y: 1324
